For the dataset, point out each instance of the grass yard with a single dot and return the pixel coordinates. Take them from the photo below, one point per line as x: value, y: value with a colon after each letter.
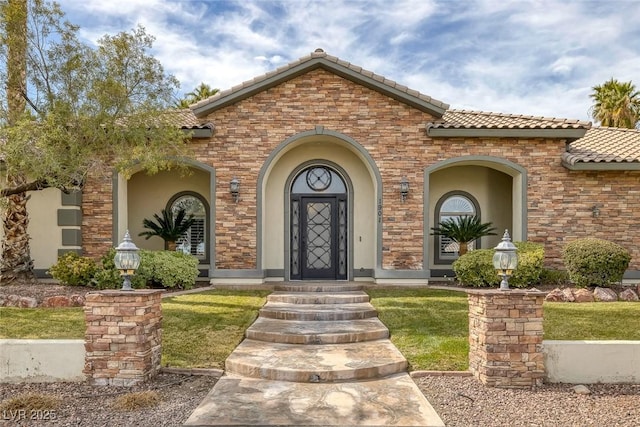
x: 201, y: 330
x: 430, y: 327
x: 592, y: 321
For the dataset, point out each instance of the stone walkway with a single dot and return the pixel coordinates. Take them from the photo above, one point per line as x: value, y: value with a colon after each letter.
x: 317, y: 355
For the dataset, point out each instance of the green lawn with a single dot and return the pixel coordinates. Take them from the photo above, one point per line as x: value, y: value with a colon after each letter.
x: 430, y: 327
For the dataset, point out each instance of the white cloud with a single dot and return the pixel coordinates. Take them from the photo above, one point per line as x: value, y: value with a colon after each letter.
x: 538, y: 57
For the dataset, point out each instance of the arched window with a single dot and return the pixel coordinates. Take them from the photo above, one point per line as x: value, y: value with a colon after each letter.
x: 452, y: 205
x: 196, y: 240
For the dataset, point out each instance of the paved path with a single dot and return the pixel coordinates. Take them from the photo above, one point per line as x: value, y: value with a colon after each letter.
x: 317, y: 355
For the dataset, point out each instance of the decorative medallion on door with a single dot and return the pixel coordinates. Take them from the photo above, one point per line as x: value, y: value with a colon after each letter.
x: 318, y: 225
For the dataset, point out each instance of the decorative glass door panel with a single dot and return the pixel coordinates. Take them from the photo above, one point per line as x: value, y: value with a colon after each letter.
x: 319, y: 232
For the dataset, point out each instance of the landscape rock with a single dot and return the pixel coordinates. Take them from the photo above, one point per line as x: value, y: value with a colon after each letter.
x: 568, y: 295
x: 604, y: 294
x: 628, y: 295
x: 581, y: 389
x: 556, y: 295
x: 57, y: 301
x: 583, y: 295
x: 77, y: 300
x: 18, y: 301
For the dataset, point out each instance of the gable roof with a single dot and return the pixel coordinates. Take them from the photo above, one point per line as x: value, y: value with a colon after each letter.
x: 462, y: 123
x: 320, y: 59
x: 604, y: 148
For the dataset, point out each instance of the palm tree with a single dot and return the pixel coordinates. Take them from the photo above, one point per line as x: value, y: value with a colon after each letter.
x: 617, y: 104
x: 202, y: 91
x: 16, y: 255
x: 463, y: 230
x: 168, y: 227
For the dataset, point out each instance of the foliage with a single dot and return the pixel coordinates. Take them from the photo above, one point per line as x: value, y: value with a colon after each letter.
x: 73, y: 269
x: 89, y: 109
x: 616, y: 104
x: 595, y: 262
x: 463, y: 230
x: 554, y: 277
x: 167, y: 269
x: 429, y: 327
x: 203, y: 91
x: 157, y: 269
x: 476, y: 267
x: 168, y: 227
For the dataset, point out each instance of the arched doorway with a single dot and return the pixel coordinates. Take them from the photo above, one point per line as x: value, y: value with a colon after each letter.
x: 319, y: 224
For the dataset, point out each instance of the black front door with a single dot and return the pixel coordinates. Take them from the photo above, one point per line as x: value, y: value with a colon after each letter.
x: 318, y: 237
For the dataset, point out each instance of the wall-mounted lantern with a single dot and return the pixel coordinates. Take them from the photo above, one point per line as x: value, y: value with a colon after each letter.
x: 404, y: 188
x: 234, y: 189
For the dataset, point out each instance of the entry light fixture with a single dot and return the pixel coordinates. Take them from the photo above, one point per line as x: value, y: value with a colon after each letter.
x: 595, y: 211
x: 505, y: 260
x: 234, y: 189
x: 404, y: 188
x: 127, y: 260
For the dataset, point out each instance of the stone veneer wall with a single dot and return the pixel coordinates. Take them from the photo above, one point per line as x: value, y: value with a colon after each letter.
x: 123, y: 336
x: 559, y: 201
x: 505, y: 338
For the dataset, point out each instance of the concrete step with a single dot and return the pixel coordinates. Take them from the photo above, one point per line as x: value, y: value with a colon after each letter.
x: 318, y: 287
x: 348, y: 297
x: 306, y: 332
x: 235, y: 400
x: 325, y: 363
x: 322, y: 312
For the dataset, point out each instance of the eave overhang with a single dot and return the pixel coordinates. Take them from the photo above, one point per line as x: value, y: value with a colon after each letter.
x: 200, y: 132
x: 602, y: 166
x: 567, y: 135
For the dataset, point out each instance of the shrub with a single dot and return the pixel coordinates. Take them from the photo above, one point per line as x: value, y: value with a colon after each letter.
x: 554, y: 277
x: 475, y: 268
x: 168, y: 269
x: 595, y: 262
x: 157, y: 268
x: 73, y: 269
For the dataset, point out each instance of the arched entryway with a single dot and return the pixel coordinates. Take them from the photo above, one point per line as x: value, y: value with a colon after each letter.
x: 319, y: 224
x: 493, y: 188
x: 352, y: 168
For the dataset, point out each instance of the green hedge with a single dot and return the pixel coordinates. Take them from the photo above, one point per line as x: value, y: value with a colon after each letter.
x: 595, y: 262
x: 475, y: 268
x: 157, y: 269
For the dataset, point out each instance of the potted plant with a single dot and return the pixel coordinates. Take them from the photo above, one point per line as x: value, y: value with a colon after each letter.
x: 463, y: 230
x: 169, y: 227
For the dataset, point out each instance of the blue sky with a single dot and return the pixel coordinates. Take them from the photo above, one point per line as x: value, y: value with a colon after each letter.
x: 523, y: 57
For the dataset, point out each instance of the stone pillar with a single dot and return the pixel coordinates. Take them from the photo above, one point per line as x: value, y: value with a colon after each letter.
x: 505, y: 337
x: 123, y: 336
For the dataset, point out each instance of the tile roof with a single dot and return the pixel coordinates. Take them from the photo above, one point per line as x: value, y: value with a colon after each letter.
x: 187, y: 120
x: 319, y: 58
x: 459, y: 119
x: 605, y: 145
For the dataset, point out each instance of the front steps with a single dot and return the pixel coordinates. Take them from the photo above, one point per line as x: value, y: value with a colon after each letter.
x: 317, y: 355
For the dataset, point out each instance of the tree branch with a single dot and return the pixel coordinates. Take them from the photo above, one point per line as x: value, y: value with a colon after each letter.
x: 40, y: 184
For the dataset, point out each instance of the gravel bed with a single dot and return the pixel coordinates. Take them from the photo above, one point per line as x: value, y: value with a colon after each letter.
x: 87, y: 406
x: 463, y: 401
x: 460, y: 401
